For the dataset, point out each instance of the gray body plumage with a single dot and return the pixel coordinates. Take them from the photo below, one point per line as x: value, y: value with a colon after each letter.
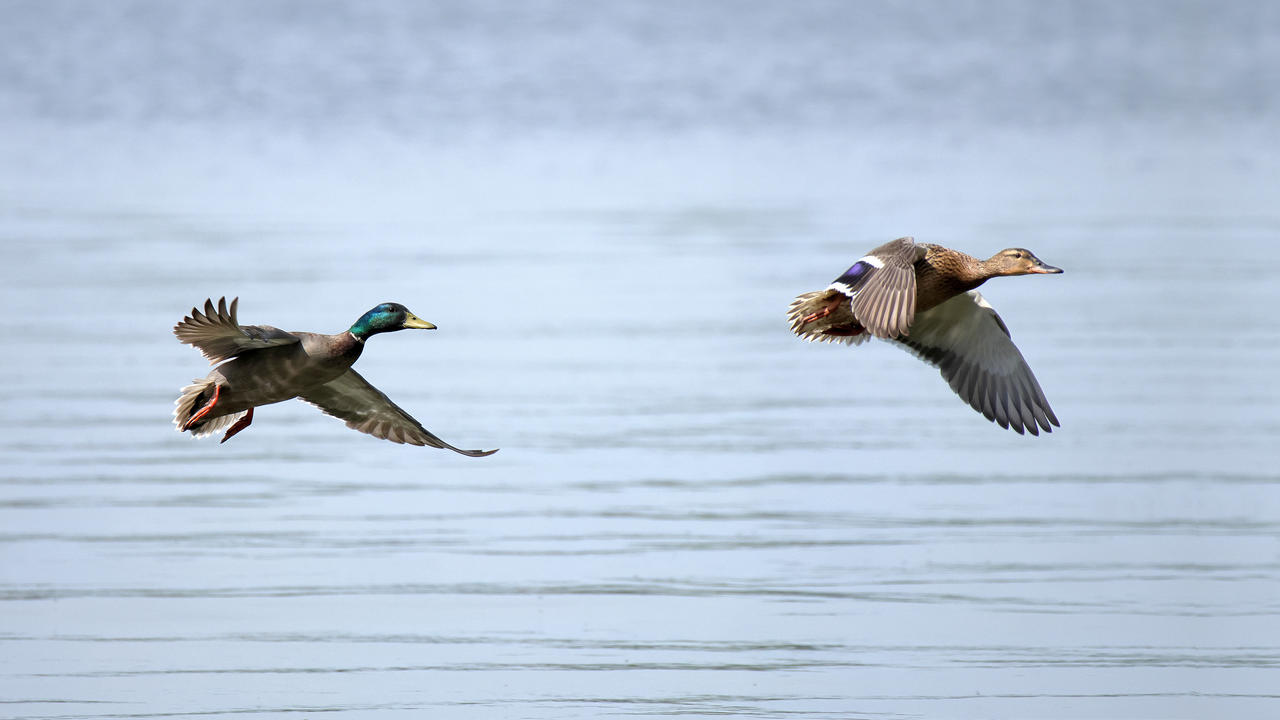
x: 275, y: 374
x: 262, y: 365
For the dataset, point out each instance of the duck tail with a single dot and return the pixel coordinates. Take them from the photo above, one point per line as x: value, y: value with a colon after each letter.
x: 814, y: 317
x: 196, y: 396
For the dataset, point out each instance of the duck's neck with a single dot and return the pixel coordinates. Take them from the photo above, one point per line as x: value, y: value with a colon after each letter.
x: 346, y: 344
x: 361, y: 330
x: 966, y: 271
x: 984, y: 271
x: 995, y: 266
x: 364, y: 329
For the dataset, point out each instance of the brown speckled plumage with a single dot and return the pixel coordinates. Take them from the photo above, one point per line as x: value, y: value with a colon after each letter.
x: 922, y: 297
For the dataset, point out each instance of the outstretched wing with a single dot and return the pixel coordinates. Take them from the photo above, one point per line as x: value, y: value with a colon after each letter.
x: 217, y: 335
x: 364, y: 407
x: 965, y: 339
x: 882, y: 285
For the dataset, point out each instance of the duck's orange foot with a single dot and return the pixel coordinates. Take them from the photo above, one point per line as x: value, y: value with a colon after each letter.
x: 241, y: 424
x: 830, y: 306
x: 817, y: 316
x: 217, y: 389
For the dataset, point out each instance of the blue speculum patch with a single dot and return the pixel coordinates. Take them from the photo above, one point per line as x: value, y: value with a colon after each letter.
x: 854, y: 274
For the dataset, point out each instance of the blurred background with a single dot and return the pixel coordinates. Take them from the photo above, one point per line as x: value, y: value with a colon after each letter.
x: 606, y: 208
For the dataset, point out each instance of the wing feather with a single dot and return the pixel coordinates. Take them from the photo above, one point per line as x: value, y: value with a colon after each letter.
x: 218, y: 336
x: 969, y: 343
x: 886, y: 302
x: 365, y: 408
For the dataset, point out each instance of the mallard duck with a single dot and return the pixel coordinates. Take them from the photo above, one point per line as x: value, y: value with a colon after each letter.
x: 922, y: 297
x: 265, y: 365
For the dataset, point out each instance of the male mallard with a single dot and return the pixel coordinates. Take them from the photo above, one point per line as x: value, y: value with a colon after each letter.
x: 266, y: 365
x: 921, y: 296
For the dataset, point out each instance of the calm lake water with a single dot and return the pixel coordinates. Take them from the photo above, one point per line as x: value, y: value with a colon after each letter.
x: 606, y: 210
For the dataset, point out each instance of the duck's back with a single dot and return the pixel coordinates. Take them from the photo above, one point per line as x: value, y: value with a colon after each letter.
x: 936, y: 274
x: 943, y: 273
x: 276, y: 374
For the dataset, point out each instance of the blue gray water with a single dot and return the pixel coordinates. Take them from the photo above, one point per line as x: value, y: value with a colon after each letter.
x: 606, y: 209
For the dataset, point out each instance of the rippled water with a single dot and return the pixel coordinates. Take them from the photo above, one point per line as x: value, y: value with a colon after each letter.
x: 693, y: 513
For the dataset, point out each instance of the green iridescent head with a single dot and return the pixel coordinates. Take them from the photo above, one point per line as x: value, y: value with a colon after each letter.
x: 388, y: 317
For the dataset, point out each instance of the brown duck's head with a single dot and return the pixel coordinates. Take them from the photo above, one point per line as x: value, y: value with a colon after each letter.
x: 1019, y: 261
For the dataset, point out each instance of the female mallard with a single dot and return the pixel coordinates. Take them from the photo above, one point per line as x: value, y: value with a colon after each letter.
x: 266, y: 365
x: 921, y: 296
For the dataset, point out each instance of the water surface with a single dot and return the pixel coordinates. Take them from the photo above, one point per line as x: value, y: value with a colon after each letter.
x: 693, y: 513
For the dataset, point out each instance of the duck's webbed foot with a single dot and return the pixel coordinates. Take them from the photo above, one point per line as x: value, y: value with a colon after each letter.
x: 828, y: 308
x: 198, y: 416
x: 816, y: 316
x: 241, y: 424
